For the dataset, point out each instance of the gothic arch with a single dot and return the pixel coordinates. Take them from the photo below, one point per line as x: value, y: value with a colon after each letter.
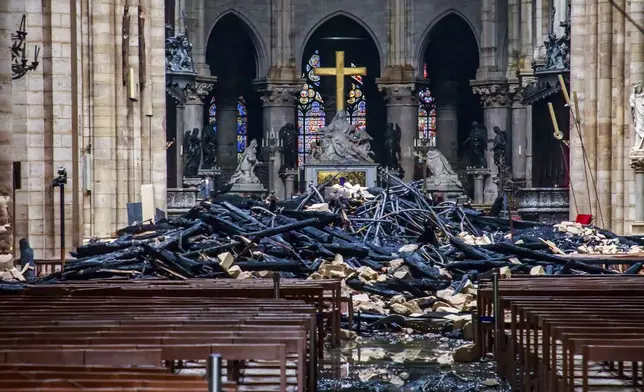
x: 421, y: 47
x: 261, y: 60
x: 321, y: 22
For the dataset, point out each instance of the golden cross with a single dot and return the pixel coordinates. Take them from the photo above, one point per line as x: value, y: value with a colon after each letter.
x: 339, y: 71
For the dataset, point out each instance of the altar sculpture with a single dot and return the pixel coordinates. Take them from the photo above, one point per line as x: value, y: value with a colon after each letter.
x: 442, y: 173
x: 637, y: 111
x: 341, y: 143
x: 245, y: 171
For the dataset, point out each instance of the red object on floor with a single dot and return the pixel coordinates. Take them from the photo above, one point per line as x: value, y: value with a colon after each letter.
x: 584, y: 219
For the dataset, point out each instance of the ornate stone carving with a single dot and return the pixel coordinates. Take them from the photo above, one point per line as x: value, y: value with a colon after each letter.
x: 637, y: 163
x: 399, y: 92
x: 245, y: 171
x: 637, y: 111
x: 178, y: 54
x: 515, y: 92
x: 278, y: 94
x: 341, y: 143
x: 191, y: 153
x: 493, y: 94
x: 288, y: 136
x: 557, y: 48
x: 392, y: 146
x: 199, y: 91
x: 548, y: 205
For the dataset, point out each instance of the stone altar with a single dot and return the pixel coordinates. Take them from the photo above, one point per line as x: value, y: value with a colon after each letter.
x: 342, y: 150
x: 548, y: 205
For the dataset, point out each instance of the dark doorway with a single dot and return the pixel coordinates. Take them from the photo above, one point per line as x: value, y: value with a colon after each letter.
x: 451, y: 55
x: 364, y: 104
x: 551, y: 169
x: 232, y: 57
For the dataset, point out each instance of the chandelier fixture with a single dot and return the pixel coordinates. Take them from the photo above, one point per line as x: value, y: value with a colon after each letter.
x: 19, y: 62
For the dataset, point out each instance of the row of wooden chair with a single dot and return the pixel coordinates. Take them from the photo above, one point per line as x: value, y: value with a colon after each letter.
x: 565, y: 333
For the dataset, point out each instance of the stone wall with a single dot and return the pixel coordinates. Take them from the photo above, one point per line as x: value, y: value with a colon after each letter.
x: 606, y: 61
x: 76, y: 104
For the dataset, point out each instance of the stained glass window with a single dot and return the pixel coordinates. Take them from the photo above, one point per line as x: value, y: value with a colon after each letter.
x: 242, y: 125
x: 356, y: 103
x: 310, y: 109
x: 427, y: 115
x: 242, y: 122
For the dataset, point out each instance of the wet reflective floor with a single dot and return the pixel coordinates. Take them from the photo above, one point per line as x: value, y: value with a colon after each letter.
x: 397, y: 362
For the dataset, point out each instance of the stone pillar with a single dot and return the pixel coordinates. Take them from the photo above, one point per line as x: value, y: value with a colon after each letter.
x: 402, y: 109
x: 519, y: 141
x: 496, y: 112
x: 479, y: 186
x: 193, y: 111
x: 200, y: 40
x: 289, y: 183
x: 227, y: 130
x: 447, y: 120
x: 6, y: 111
x: 279, y: 107
x: 179, y: 146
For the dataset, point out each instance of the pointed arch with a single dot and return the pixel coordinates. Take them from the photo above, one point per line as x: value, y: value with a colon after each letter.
x: 421, y: 47
x: 261, y: 52
x: 360, y: 22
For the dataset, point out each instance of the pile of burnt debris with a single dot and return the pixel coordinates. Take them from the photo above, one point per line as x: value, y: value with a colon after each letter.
x: 397, y: 252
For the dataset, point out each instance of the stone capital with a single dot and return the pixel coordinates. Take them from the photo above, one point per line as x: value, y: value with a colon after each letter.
x: 278, y: 94
x: 399, y: 94
x: 198, y: 92
x: 492, y: 93
x: 516, y: 93
x: 637, y: 161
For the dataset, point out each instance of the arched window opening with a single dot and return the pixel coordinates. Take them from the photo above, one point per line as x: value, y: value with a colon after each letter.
x: 356, y: 103
x: 242, y: 122
x: 426, y: 113
x: 310, y: 109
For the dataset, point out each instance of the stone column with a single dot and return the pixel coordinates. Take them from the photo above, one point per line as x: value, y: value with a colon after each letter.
x: 289, y: 183
x: 402, y: 109
x: 447, y: 120
x: 179, y: 146
x: 496, y: 112
x: 6, y: 114
x: 479, y: 180
x: 518, y: 139
x: 227, y: 130
x: 193, y: 111
x: 200, y: 40
x: 279, y: 107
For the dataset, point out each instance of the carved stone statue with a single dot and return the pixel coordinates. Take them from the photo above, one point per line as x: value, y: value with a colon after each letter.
x: 557, y: 48
x: 245, y: 172
x: 178, y: 54
x: 442, y: 172
x: 341, y: 142
x: 500, y: 146
x: 637, y: 111
x: 288, y: 136
x: 191, y: 153
x: 477, y: 145
x: 209, y: 146
x: 392, y: 146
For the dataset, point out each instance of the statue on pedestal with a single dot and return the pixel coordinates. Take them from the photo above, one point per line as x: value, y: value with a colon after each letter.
x: 209, y: 146
x: 245, y: 172
x: 288, y: 135
x: 637, y: 111
x: 477, y: 145
x: 341, y: 142
x: 192, y: 153
x: 442, y: 172
x: 500, y: 146
x: 392, y: 146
